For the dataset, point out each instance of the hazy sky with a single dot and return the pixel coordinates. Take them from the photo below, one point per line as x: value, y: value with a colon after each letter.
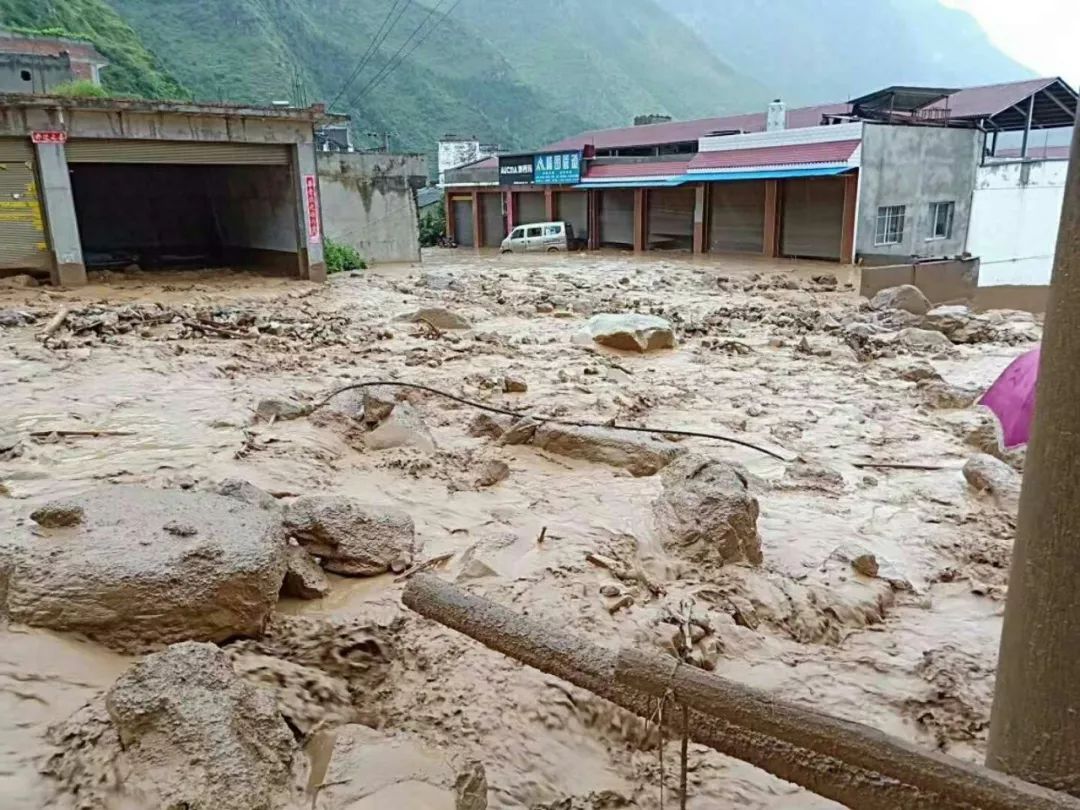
x: 1044, y: 35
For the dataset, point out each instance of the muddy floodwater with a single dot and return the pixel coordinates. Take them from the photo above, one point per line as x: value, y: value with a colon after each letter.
x: 765, y: 353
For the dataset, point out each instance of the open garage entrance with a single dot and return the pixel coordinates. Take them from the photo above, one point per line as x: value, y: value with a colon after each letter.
x: 161, y: 204
x: 671, y: 218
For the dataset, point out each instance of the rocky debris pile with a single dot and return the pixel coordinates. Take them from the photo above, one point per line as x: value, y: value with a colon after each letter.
x: 138, y: 568
x: 993, y: 476
x: 631, y: 332
x: 16, y: 317
x: 638, y: 453
x: 21, y: 281
x: 380, y: 769
x: 960, y: 690
x: 351, y: 537
x: 943, y: 395
x: 706, y: 513
x: 905, y: 297
x: 267, y: 322
x: 923, y: 339
x: 180, y: 729
x: 436, y: 318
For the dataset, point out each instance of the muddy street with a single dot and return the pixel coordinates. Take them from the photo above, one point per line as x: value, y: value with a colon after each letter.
x: 862, y: 575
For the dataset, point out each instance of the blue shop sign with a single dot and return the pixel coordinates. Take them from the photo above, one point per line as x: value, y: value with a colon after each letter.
x: 558, y: 168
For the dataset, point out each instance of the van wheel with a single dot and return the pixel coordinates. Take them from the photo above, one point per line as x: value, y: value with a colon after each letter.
x: 503, y: 252
x: 552, y: 250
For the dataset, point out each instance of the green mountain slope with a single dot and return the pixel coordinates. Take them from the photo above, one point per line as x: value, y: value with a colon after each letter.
x: 812, y: 51
x: 613, y: 58
x: 133, y: 70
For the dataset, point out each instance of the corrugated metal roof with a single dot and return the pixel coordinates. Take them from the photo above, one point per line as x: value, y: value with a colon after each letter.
x: 990, y: 99
x: 789, y: 154
x: 764, y: 174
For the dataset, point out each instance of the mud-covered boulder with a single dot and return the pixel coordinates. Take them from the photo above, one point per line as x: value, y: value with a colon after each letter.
x: 351, y: 537
x: 403, y: 426
x: 924, y: 339
x: 639, y: 453
x: 247, y: 492
x: 439, y: 317
x: 706, y: 512
x: 949, y: 320
x: 281, y: 408
x: 631, y: 332
x: 991, y: 475
x: 371, y: 770
x: 143, y: 568
x: 180, y: 729
x: 944, y: 395
x: 304, y: 578
x: 906, y: 297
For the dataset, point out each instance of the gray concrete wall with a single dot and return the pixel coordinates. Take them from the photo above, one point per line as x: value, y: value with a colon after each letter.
x: 45, y: 72
x: 914, y: 166
x: 254, y: 207
x: 369, y: 202
x: 948, y: 281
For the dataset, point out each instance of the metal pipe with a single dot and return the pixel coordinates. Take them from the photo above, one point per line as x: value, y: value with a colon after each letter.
x: 1035, y: 723
x: 843, y: 761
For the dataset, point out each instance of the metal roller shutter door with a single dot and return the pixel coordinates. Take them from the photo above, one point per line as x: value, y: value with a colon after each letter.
x: 573, y: 207
x: 671, y: 218
x: 813, y: 218
x: 205, y: 154
x: 491, y: 208
x: 617, y: 217
x: 530, y: 208
x: 737, y: 217
x: 23, y: 244
x: 463, y: 221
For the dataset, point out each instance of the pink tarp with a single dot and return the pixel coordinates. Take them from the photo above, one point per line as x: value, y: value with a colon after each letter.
x: 1012, y: 398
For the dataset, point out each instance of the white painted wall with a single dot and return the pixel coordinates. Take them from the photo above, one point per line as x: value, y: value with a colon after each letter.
x: 1015, y: 212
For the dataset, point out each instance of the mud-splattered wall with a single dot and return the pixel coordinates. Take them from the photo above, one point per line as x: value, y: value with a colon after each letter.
x: 369, y: 202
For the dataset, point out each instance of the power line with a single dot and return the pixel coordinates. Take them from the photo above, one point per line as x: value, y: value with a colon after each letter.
x: 376, y: 41
x: 397, y: 59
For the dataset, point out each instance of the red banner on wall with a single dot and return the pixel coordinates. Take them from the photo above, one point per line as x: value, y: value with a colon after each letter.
x: 311, y: 192
x: 48, y: 136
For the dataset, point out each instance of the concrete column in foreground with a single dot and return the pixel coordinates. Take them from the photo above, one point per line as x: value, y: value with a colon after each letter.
x: 549, y: 204
x: 641, y: 219
x: 771, y: 241
x: 309, y: 213
x: 701, y: 202
x: 1035, y: 723
x: 58, y: 202
x: 593, y: 202
x: 847, y: 233
x: 477, y: 220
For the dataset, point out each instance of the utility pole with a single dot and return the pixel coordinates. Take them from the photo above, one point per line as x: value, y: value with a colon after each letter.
x: 1035, y: 724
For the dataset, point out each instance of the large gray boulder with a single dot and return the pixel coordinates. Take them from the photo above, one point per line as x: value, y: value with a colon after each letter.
x: 949, y: 320
x: 351, y: 537
x: 138, y: 568
x: 439, y: 317
x: 926, y: 339
x: 706, y: 512
x: 639, y: 453
x: 372, y: 770
x: 304, y: 578
x: 991, y: 475
x: 906, y: 297
x: 180, y: 729
x: 631, y: 332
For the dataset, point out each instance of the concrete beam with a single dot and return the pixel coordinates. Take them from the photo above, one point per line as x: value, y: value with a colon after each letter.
x: 58, y: 203
x: 309, y: 219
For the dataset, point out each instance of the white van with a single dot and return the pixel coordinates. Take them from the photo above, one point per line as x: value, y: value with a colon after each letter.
x: 539, y: 236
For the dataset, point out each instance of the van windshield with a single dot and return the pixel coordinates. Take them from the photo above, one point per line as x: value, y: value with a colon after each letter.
x: 518, y: 233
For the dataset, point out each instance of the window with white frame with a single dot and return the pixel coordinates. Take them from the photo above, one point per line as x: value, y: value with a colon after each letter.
x: 890, y: 225
x: 941, y: 217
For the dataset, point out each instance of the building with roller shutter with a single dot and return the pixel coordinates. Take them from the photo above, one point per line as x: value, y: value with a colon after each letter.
x: 892, y: 176
x: 109, y: 183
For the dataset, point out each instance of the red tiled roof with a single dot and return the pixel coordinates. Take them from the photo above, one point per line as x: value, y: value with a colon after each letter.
x: 645, y: 169
x: 680, y: 131
x: 828, y: 152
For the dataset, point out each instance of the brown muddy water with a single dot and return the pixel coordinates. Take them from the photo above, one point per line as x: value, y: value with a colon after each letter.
x: 911, y: 653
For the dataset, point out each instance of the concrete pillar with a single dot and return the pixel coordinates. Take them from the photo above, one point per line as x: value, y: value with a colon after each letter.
x: 1035, y: 722
x: 593, y: 202
x: 451, y: 222
x: 312, y: 263
x: 771, y: 242
x: 641, y: 219
x: 549, y: 205
x: 477, y: 220
x: 701, y: 204
x: 511, y: 212
x: 58, y: 204
x: 847, y: 233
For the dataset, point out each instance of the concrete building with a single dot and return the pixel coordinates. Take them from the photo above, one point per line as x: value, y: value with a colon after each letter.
x: 100, y: 182
x: 369, y: 200
x: 456, y: 151
x: 33, y: 64
x: 901, y: 175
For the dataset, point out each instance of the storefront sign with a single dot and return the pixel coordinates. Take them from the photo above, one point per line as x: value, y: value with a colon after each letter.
x: 311, y: 192
x: 515, y: 170
x: 559, y: 169
x: 48, y: 136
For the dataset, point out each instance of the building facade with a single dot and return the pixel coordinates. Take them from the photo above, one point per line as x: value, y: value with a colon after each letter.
x: 33, y: 64
x: 900, y: 175
x: 106, y: 182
